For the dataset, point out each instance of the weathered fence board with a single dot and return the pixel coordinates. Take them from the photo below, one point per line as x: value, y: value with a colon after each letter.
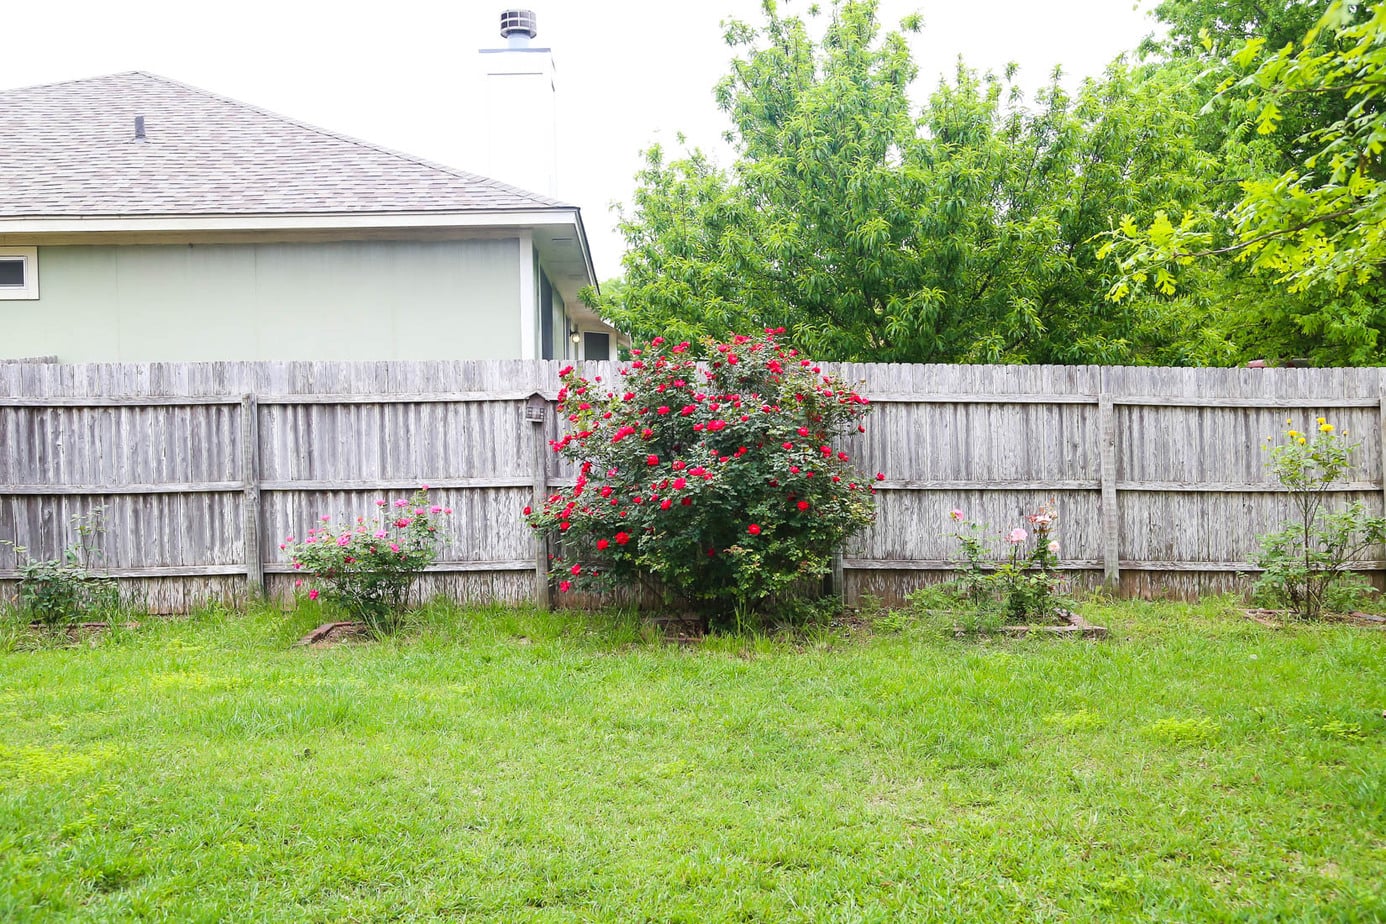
x: 1160, y: 475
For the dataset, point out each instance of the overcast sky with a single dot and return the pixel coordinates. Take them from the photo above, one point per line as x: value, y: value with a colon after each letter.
x: 406, y: 74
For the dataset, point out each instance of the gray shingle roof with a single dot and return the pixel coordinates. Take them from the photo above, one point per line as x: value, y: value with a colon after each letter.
x: 67, y: 149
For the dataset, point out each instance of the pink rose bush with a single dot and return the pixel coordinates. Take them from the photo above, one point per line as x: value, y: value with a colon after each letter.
x: 1026, y: 583
x: 717, y: 482
x: 368, y: 567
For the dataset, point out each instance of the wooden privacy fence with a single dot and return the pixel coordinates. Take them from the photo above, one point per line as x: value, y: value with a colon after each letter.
x: 1159, y: 475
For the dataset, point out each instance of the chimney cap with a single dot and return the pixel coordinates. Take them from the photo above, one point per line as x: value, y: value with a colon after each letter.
x: 519, y: 22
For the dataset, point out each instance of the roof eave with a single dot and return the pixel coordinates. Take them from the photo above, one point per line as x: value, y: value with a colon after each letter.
x: 468, y: 218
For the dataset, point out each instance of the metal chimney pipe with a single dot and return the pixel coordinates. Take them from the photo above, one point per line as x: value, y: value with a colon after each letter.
x: 518, y: 27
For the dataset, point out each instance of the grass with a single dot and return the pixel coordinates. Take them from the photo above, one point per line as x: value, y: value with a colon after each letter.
x: 521, y: 766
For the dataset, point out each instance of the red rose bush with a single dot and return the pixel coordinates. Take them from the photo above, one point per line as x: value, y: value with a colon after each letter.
x: 716, y: 482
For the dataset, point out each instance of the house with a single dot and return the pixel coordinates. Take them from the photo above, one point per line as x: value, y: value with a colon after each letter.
x: 142, y: 219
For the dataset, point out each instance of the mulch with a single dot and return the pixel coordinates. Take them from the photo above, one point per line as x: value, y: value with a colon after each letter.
x: 331, y: 634
x: 1077, y: 627
x: 1275, y: 619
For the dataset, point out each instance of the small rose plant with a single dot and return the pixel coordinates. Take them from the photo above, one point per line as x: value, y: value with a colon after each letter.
x: 1026, y: 583
x: 367, y: 567
x: 716, y: 482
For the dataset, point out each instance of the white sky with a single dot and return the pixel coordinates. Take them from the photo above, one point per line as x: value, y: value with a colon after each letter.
x: 405, y: 74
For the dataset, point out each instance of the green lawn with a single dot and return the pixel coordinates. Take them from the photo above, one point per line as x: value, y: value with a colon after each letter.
x: 516, y: 766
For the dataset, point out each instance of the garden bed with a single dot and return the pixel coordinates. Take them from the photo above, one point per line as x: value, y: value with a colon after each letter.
x: 1073, y: 626
x: 1275, y: 619
x: 77, y: 632
x: 334, y: 633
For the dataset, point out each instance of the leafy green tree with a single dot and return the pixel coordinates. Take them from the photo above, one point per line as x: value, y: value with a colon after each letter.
x: 873, y: 232
x: 1301, y: 229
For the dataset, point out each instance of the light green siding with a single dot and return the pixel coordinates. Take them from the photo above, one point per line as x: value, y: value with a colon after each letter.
x: 363, y: 300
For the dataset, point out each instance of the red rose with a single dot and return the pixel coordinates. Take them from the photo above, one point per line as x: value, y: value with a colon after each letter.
x: 564, y: 586
x: 576, y: 570
x: 803, y: 505
x: 602, y: 544
x: 622, y: 538
x: 652, y: 459
x: 753, y: 529
x: 527, y: 510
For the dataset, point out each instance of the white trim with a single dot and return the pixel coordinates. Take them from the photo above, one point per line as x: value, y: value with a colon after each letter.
x: 529, y: 298
x: 469, y: 219
x: 30, y: 290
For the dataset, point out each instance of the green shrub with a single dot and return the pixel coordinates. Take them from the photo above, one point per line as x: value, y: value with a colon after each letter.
x: 367, y: 569
x: 715, y: 484
x: 1306, y: 562
x: 63, y: 591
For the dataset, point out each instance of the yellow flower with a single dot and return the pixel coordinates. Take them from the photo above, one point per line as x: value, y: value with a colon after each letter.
x: 1326, y: 427
x: 1302, y: 441
x: 1288, y: 421
x: 1293, y: 433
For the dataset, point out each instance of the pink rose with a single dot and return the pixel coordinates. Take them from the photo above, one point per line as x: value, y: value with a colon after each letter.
x: 1054, y: 547
x: 956, y: 514
x: 1017, y: 536
x: 313, y: 594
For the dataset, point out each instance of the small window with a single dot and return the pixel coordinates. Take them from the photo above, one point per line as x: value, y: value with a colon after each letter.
x: 18, y: 272
x: 596, y: 346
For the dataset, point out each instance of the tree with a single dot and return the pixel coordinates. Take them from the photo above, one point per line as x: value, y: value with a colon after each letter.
x: 1314, y: 229
x: 872, y: 233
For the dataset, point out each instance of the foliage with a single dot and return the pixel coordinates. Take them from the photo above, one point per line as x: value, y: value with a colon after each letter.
x: 1308, y: 217
x: 719, y: 481
x: 1305, y: 563
x: 1026, y: 584
x: 962, y: 234
x: 64, y: 591
x: 368, y: 568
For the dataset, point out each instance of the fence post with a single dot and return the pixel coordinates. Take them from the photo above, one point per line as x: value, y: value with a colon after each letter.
x: 537, y: 413
x: 250, y: 504
x: 1381, y: 424
x: 839, y: 577
x: 1111, y: 521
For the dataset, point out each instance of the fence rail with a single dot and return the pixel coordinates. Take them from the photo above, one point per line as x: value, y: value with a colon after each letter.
x: 1159, y: 475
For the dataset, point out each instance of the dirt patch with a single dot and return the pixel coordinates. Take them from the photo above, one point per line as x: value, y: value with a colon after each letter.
x: 1074, y: 626
x: 80, y: 632
x: 330, y: 634
x: 1275, y: 619
x: 681, y: 629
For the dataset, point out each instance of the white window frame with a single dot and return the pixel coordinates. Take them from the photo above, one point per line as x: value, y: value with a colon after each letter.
x: 30, y: 289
